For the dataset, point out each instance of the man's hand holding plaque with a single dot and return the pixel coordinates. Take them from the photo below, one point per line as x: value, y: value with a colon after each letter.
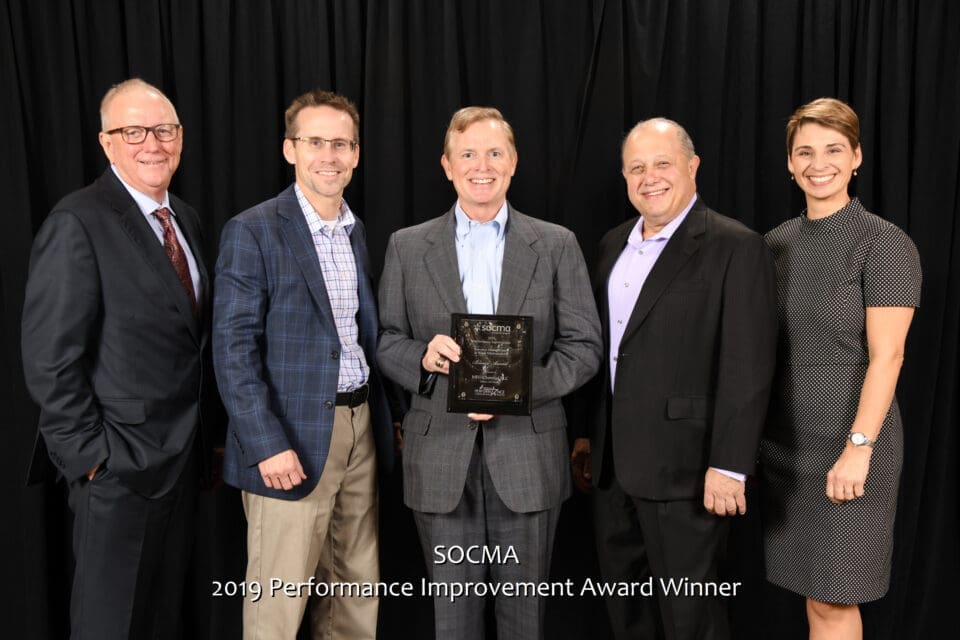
x: 492, y: 373
x: 440, y: 352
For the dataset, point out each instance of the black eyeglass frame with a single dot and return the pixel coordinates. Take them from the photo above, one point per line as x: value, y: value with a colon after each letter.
x: 121, y: 130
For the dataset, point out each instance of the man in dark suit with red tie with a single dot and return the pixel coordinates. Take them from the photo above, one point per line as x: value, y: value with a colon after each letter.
x: 115, y: 327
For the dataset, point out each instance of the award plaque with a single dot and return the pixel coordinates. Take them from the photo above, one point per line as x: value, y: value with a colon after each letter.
x: 495, y: 368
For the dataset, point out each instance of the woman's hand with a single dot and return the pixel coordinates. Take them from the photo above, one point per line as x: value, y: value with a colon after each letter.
x: 845, y: 481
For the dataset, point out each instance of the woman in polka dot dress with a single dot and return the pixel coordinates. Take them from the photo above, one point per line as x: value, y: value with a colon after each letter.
x: 847, y: 285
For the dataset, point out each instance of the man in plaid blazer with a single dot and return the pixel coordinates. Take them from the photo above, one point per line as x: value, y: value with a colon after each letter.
x: 492, y: 485
x: 295, y: 333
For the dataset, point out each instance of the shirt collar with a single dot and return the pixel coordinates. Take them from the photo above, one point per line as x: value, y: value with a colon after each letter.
x: 636, y: 235
x: 344, y: 219
x: 145, y: 203
x: 465, y: 224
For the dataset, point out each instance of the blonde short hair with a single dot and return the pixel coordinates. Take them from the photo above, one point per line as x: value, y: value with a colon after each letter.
x: 467, y: 116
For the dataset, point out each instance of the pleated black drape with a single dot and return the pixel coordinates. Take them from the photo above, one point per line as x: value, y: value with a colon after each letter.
x: 571, y: 76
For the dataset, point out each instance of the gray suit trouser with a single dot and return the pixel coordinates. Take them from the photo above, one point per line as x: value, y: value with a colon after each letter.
x: 481, y: 518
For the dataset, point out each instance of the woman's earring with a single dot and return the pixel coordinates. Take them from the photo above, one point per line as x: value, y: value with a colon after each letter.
x: 854, y: 172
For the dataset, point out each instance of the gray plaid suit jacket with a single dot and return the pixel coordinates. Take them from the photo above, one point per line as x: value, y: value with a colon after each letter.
x: 544, y: 276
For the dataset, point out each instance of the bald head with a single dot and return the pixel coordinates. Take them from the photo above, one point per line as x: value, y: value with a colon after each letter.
x: 125, y: 88
x: 665, y: 125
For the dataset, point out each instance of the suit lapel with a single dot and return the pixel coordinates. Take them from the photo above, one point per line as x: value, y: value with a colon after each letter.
x: 519, y: 263
x: 607, y: 259
x: 684, y: 243
x: 605, y: 262
x: 440, y: 261
x: 190, y: 227
x: 296, y: 234
x: 366, y: 313
x: 142, y: 236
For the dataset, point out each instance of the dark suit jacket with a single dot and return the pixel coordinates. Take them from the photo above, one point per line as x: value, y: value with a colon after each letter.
x: 696, y: 361
x: 276, y: 347
x: 543, y: 276
x: 111, y: 350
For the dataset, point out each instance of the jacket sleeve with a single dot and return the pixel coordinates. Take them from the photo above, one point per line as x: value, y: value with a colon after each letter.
x: 574, y: 357
x: 747, y: 356
x: 59, y: 332
x: 398, y: 352
x: 240, y: 303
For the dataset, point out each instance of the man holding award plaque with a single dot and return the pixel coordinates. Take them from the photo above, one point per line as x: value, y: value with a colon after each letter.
x: 487, y: 319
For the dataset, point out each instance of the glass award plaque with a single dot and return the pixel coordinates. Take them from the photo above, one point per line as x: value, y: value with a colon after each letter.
x: 495, y: 368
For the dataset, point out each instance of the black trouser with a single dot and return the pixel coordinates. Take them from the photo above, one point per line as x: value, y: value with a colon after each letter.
x: 131, y: 556
x: 639, y: 539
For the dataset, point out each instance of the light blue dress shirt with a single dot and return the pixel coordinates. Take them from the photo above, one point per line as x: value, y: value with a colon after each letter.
x: 480, y: 259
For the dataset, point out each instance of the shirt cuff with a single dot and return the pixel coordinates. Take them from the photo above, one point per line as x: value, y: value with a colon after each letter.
x: 742, y: 477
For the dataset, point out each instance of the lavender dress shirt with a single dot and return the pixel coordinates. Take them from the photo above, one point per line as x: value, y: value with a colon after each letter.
x: 626, y: 279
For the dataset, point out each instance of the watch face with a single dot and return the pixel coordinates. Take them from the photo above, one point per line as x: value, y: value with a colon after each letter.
x: 857, y: 438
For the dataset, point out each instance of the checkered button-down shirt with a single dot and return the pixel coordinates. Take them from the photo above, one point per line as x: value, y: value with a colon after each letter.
x: 331, y: 238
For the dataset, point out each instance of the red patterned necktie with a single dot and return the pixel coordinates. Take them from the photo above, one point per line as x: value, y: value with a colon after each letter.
x: 171, y: 246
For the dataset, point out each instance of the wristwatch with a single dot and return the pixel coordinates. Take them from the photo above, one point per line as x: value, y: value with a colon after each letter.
x: 860, y: 440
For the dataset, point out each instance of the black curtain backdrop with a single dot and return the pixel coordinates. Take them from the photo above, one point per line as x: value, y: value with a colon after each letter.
x: 571, y: 76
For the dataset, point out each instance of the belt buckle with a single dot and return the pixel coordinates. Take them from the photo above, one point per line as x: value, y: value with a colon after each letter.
x: 359, y: 395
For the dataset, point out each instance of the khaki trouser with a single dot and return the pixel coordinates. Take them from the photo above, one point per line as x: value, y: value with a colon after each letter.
x: 330, y: 535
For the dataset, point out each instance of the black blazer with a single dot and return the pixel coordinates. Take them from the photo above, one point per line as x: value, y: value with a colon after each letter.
x: 696, y: 362
x: 111, y: 350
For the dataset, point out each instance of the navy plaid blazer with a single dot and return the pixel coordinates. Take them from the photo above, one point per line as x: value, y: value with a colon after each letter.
x: 276, y: 349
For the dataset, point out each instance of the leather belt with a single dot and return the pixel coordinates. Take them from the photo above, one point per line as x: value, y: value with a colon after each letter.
x: 353, y: 398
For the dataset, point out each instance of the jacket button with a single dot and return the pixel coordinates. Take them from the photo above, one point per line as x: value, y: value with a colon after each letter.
x: 472, y: 424
x: 334, y: 355
x: 328, y: 404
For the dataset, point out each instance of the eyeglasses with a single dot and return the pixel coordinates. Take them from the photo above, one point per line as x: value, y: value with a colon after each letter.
x: 339, y: 145
x: 136, y: 135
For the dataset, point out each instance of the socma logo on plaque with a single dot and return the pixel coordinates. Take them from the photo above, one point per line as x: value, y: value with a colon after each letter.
x: 495, y: 368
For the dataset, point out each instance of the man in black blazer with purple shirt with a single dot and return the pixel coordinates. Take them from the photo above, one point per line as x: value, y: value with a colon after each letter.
x: 686, y: 299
